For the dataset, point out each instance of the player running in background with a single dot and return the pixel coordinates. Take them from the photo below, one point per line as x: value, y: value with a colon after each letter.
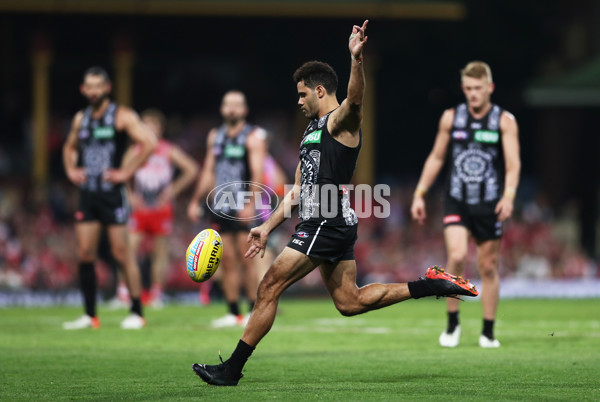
x: 93, y: 160
x: 328, y: 155
x: 481, y: 142
x: 152, y: 198
x: 235, y: 152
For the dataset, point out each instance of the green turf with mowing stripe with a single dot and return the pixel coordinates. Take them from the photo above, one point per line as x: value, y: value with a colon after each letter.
x: 550, y: 351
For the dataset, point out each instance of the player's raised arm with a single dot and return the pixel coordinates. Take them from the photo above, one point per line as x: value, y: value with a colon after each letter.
x: 70, y: 153
x: 348, y: 116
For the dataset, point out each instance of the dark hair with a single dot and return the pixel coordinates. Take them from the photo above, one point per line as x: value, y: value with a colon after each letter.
x: 98, y: 71
x: 315, y: 73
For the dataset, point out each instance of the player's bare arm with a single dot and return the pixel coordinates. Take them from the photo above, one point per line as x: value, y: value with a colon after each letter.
x: 129, y: 121
x: 433, y: 165
x: 512, y: 161
x: 189, y: 170
x: 135, y: 199
x: 344, y: 123
x: 258, y: 236
x: 70, y: 153
x: 256, y: 146
x: 206, y: 181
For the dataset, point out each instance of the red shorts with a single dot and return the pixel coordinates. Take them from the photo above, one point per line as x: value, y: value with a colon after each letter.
x: 152, y: 221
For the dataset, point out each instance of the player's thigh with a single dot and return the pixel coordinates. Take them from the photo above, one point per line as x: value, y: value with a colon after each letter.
x: 88, y: 237
x: 340, y: 280
x: 229, y: 260
x: 289, y: 267
x: 242, y: 245
x: 118, y: 237
x: 456, y: 238
x: 161, y: 246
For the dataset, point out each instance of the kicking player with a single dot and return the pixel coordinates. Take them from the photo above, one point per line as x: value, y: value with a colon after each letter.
x: 93, y: 160
x: 483, y: 140
x: 328, y: 155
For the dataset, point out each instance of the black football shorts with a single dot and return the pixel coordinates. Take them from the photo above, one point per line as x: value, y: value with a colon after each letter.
x: 481, y: 220
x: 108, y: 207
x: 331, y: 243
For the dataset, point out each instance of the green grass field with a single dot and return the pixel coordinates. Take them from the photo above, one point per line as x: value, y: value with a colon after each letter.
x: 550, y: 351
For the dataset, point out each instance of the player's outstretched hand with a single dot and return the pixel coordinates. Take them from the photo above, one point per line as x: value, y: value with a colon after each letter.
x: 357, y: 40
x: 258, y: 242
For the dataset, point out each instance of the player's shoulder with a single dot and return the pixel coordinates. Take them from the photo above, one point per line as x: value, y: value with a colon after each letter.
x: 124, y: 115
x: 258, y: 135
x: 508, y: 115
x: 507, y: 120
x: 211, y: 138
x: 125, y: 112
x: 78, y: 117
x: 447, y: 118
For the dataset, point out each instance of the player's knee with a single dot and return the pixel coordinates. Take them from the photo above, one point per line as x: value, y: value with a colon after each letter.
x: 119, y: 253
x: 348, y: 309
x: 348, y: 306
x: 86, y: 254
x: 457, y: 258
x: 488, y: 267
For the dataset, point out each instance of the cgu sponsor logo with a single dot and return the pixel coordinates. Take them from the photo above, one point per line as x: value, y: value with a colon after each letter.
x: 313, y: 138
x: 231, y: 198
x: 488, y: 137
x: 104, y: 132
x: 234, y: 151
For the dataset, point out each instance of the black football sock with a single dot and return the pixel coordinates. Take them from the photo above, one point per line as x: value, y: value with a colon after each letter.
x: 87, y: 281
x: 488, y: 328
x: 452, y: 321
x: 234, y: 308
x: 240, y: 356
x: 136, y: 306
x: 419, y: 289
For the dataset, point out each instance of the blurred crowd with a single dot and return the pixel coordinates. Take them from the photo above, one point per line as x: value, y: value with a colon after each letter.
x: 38, y: 251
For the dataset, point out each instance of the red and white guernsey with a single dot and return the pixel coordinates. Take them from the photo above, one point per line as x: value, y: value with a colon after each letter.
x: 155, y: 174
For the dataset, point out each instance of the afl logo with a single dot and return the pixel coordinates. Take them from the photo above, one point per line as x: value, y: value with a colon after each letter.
x: 302, y: 235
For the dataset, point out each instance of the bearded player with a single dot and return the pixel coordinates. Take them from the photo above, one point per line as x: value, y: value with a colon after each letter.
x: 93, y: 160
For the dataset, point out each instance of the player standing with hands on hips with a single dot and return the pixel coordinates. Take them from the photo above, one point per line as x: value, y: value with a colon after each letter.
x: 480, y: 140
x: 328, y: 155
x: 93, y: 160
